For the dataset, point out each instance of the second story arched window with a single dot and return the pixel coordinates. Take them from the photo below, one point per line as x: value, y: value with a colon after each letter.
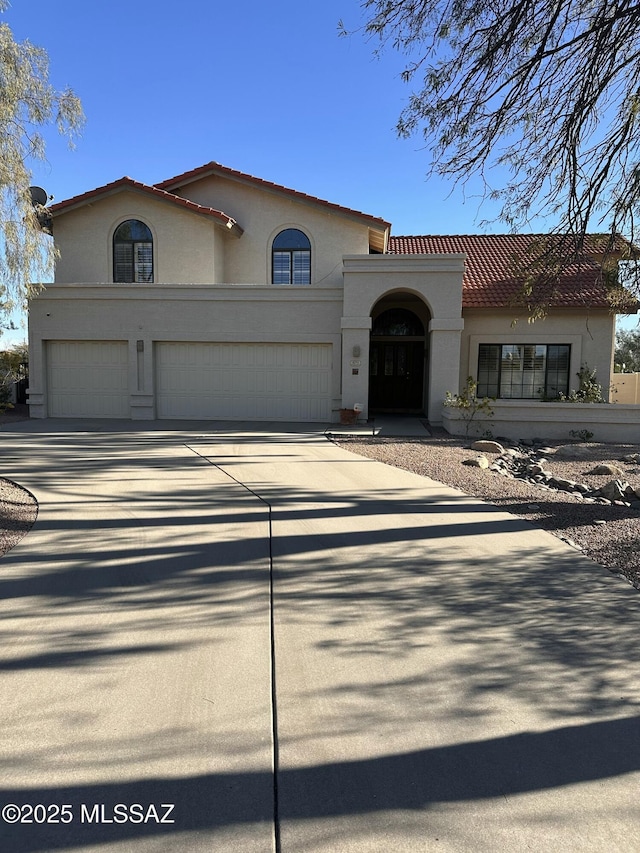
x: 132, y: 252
x: 291, y: 258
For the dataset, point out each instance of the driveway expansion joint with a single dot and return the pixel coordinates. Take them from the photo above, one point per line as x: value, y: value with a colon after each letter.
x: 274, y: 700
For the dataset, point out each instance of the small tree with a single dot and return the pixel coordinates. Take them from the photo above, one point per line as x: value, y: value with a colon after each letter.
x: 13, y: 367
x: 469, y: 404
x: 627, y: 351
x: 28, y: 103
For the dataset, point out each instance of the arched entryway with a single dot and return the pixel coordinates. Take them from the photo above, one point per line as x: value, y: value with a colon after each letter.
x: 397, y: 355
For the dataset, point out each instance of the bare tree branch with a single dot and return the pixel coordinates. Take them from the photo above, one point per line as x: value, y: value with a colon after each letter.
x: 540, y: 96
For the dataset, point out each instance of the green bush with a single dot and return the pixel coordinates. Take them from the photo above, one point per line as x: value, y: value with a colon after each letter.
x: 589, y: 391
x: 469, y: 404
x: 5, y: 396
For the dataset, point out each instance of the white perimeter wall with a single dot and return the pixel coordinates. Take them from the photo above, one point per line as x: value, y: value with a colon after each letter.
x: 518, y: 419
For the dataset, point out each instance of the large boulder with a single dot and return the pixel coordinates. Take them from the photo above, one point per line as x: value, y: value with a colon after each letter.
x: 611, y: 470
x: 485, y: 446
x: 615, y: 490
x: 572, y: 452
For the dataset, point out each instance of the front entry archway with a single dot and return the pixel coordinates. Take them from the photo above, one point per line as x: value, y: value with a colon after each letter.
x: 397, y: 361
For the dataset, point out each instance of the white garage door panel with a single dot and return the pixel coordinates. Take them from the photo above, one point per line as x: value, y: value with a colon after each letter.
x: 88, y: 379
x: 244, y: 381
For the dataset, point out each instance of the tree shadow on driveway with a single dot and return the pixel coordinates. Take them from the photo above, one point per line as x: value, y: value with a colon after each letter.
x: 429, y: 650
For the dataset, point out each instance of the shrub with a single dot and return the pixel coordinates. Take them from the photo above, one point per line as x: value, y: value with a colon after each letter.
x: 5, y: 395
x: 589, y: 391
x: 469, y: 404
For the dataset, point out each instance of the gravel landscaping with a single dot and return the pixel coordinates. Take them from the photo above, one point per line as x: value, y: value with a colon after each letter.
x: 18, y: 507
x: 608, y: 533
x: 18, y: 511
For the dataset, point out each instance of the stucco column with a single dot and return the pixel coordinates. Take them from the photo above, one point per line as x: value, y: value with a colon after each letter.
x: 141, y: 366
x: 444, y: 363
x: 36, y: 397
x: 355, y: 362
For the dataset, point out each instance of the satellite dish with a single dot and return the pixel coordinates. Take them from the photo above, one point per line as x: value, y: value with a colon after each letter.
x: 38, y: 196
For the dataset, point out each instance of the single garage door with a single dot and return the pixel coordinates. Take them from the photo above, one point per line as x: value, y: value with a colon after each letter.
x: 88, y: 379
x: 243, y: 381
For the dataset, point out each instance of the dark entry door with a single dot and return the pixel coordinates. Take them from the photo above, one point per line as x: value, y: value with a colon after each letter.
x: 396, y: 372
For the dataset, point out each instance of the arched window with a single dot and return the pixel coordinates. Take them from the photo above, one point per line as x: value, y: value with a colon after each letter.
x: 132, y: 252
x: 397, y: 321
x: 291, y: 258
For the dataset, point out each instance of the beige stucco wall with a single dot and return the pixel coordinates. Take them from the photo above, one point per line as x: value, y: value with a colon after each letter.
x: 187, y: 248
x: 151, y: 313
x: 591, y: 337
x: 229, y: 297
x: 437, y: 281
x: 625, y: 388
x: 529, y: 419
x: 191, y: 248
x: 263, y: 214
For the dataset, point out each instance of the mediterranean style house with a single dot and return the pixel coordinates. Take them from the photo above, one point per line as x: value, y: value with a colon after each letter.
x: 218, y: 295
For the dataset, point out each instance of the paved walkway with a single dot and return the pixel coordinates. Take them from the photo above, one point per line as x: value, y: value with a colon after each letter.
x: 199, y: 604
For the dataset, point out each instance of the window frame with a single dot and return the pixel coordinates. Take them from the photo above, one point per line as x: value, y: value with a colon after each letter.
x: 493, y: 381
x: 141, y: 255
x: 291, y: 262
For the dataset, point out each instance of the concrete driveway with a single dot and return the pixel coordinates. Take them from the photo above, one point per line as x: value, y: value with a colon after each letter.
x: 300, y: 650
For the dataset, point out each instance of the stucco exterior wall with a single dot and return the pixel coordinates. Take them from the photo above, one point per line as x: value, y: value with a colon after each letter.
x: 263, y: 214
x: 151, y: 313
x: 434, y: 279
x: 591, y: 338
x: 529, y: 419
x: 625, y: 388
x: 187, y: 248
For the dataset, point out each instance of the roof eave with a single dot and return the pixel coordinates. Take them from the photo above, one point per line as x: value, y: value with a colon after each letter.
x: 376, y: 223
x: 129, y: 185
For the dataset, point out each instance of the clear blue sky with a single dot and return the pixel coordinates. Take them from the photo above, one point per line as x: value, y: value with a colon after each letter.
x: 264, y: 87
x: 268, y: 88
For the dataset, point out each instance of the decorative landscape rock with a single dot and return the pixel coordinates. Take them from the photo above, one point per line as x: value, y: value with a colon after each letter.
x: 611, y: 470
x: 486, y: 446
x: 537, y: 468
x: 571, y: 452
x: 477, y: 462
x: 527, y: 463
x: 613, y: 491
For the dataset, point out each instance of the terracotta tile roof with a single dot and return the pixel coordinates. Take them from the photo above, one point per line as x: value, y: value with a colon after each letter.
x: 491, y: 277
x: 128, y: 183
x: 214, y: 168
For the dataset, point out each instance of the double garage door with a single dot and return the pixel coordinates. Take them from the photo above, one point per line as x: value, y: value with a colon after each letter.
x: 243, y: 381
x: 240, y: 381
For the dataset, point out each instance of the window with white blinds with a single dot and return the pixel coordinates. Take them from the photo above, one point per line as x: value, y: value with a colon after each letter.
x: 291, y: 258
x: 523, y: 371
x: 132, y: 252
